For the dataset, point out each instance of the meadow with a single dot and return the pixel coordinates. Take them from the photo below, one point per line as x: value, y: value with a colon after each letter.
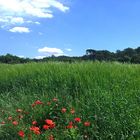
x: 63, y: 101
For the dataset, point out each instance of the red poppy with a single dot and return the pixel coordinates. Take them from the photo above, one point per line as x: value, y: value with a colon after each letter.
x: 49, y: 122
x: 63, y: 110
x: 21, y: 133
x: 34, y: 128
x: 46, y: 127
x: 51, y: 137
x: 10, y: 118
x: 15, y: 123
x: 2, y: 122
x: 34, y: 122
x: 77, y: 119
x: 70, y: 125
x: 19, y: 110
x: 33, y: 105
x: 72, y: 111
x: 38, y: 102
x: 37, y: 132
x: 86, y: 123
x: 20, y: 116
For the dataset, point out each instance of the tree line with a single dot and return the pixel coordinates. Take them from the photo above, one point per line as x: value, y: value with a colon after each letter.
x: 128, y: 55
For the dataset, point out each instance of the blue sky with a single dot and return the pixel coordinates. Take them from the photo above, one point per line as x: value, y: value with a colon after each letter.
x: 39, y: 28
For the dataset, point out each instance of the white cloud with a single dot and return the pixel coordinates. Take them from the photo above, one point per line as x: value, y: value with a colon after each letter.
x: 21, y: 56
x: 40, y: 57
x: 68, y: 49
x: 51, y: 51
x: 17, y: 20
x: 36, y: 22
x: 19, y: 11
x: 19, y: 30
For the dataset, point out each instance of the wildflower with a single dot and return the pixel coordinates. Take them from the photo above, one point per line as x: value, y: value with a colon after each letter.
x: 35, y: 129
x: 21, y: 133
x: 15, y: 123
x: 37, y: 132
x: 33, y: 104
x: 51, y: 137
x: 49, y: 122
x: 87, y: 123
x: 38, y: 102
x: 72, y: 111
x: 55, y: 99
x: 19, y: 110
x: 48, y: 103
x: 46, y: 127
x: 52, y: 126
x: 70, y: 125
x: 77, y: 119
x: 34, y: 122
x: 20, y: 116
x: 63, y: 110
x: 2, y: 122
x: 10, y: 118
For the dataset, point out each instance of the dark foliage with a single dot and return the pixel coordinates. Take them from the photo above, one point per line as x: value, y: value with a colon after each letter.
x: 127, y: 55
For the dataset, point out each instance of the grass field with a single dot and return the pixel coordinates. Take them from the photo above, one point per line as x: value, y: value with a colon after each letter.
x: 87, y: 100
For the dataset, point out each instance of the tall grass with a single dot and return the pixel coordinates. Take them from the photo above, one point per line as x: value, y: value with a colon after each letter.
x: 105, y: 93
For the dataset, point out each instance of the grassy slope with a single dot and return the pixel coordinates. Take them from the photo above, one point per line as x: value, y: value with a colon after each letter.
x: 109, y: 90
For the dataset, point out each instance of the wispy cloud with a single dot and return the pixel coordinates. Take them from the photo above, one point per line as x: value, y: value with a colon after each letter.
x: 51, y: 51
x: 20, y: 11
x: 40, y: 57
x: 19, y: 30
x: 68, y: 49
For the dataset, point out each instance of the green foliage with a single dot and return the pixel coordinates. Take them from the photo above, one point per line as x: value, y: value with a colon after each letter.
x: 106, y: 94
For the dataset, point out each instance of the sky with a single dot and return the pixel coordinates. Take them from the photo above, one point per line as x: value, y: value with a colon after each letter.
x: 40, y: 28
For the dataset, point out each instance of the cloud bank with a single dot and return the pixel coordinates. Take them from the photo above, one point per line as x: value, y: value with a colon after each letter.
x: 19, y: 30
x: 51, y: 51
x: 15, y: 12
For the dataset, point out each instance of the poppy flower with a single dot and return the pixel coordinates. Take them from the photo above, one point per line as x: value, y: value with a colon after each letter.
x: 19, y: 110
x: 70, y: 125
x: 49, y: 122
x: 63, y: 110
x: 15, y: 123
x: 37, y: 132
x: 10, y: 118
x: 51, y: 137
x: 21, y: 133
x: 34, y: 122
x: 86, y: 123
x: 2, y: 122
x: 33, y: 104
x: 77, y: 119
x: 72, y: 111
x: 34, y: 128
x: 46, y: 127
x: 38, y: 102
x: 20, y: 116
